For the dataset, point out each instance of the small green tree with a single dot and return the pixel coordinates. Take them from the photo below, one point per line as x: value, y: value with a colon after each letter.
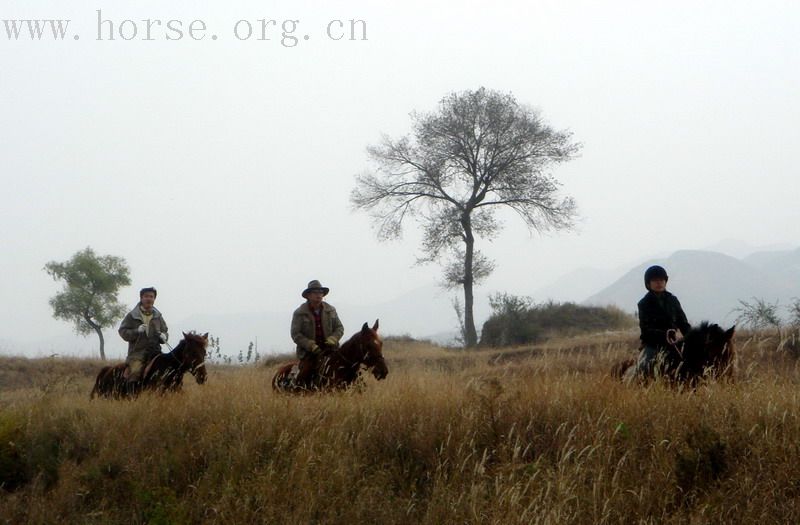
x: 89, y: 297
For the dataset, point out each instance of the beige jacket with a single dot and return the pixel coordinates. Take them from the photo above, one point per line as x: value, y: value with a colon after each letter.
x: 303, y: 327
x: 142, y: 343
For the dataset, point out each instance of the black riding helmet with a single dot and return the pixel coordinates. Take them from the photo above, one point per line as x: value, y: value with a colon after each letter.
x: 654, y: 272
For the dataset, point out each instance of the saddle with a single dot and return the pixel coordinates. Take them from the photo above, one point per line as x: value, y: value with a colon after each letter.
x: 127, y: 371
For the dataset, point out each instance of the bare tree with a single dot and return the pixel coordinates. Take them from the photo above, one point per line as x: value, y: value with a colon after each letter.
x: 479, y: 151
x: 794, y: 312
x: 759, y: 314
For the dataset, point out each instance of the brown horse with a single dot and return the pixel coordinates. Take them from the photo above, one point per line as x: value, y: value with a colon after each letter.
x: 341, y: 367
x: 163, y: 373
x: 707, y: 352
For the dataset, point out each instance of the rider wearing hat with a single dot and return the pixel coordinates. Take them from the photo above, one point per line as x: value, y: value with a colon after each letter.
x: 315, y: 327
x: 144, y: 328
x: 661, y: 319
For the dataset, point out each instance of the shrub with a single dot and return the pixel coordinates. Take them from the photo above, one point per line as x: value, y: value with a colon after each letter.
x: 517, y: 320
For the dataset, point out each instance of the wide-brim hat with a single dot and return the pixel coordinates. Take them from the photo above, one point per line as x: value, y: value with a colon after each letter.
x: 315, y: 286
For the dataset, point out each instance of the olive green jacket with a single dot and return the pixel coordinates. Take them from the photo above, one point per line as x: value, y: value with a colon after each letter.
x: 303, y: 327
x: 139, y: 343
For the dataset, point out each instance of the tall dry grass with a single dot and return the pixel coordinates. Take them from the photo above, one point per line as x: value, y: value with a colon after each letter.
x: 527, y: 435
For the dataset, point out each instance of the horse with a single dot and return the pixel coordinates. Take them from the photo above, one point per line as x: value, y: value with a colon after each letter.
x: 338, y: 368
x: 162, y: 374
x: 707, y: 352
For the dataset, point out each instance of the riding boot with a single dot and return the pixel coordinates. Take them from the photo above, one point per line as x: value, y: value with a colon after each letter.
x: 305, y: 375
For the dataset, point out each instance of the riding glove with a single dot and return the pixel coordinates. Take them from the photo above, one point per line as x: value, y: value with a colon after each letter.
x: 142, y: 329
x: 331, y: 341
x: 163, y: 337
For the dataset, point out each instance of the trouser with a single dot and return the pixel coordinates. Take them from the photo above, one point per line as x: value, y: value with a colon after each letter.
x: 306, y: 368
x: 647, y: 361
x: 137, y: 362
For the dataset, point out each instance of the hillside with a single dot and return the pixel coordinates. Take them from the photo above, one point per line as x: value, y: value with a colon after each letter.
x: 528, y: 435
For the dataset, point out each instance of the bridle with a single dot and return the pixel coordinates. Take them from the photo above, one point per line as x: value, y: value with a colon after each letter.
x: 191, y: 369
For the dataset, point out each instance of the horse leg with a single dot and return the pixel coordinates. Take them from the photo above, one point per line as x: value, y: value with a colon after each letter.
x: 623, y: 369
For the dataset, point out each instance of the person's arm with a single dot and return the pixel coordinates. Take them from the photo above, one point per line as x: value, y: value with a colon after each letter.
x: 297, y: 333
x: 338, y: 328
x: 164, y: 336
x: 680, y: 318
x: 128, y: 329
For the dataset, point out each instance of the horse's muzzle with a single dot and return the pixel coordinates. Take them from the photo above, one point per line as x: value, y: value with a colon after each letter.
x: 380, y: 371
x: 199, y: 373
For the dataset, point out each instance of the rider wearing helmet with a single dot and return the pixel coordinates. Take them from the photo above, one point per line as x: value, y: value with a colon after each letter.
x: 661, y: 319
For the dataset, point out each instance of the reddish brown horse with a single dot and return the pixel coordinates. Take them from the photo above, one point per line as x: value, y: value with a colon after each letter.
x: 341, y: 367
x: 707, y: 352
x: 162, y: 374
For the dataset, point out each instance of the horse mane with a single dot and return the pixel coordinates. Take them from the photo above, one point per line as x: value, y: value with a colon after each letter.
x: 707, y: 345
x: 700, y: 335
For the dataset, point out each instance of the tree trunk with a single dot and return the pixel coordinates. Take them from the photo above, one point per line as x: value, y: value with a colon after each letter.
x: 470, y: 334
x: 99, y: 330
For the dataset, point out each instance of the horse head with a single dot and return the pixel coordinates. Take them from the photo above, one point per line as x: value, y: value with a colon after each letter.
x: 194, y: 355
x: 709, y: 348
x: 373, y: 357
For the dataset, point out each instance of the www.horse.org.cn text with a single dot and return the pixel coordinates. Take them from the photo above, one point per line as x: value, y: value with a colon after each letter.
x: 287, y: 32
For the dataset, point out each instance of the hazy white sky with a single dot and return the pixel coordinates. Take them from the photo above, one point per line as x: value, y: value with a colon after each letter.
x: 221, y: 169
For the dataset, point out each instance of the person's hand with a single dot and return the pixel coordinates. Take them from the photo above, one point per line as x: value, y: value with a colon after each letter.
x: 315, y: 349
x: 674, y: 336
x: 331, y: 341
x: 163, y: 337
x: 142, y: 328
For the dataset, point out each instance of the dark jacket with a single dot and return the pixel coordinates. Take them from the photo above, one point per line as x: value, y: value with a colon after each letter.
x: 303, y: 327
x: 139, y: 343
x: 659, y: 314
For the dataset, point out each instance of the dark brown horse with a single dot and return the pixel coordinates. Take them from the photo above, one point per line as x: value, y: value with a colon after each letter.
x: 162, y: 374
x: 706, y: 352
x: 341, y: 367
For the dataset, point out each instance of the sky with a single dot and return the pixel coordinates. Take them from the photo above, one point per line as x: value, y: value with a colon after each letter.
x: 221, y: 169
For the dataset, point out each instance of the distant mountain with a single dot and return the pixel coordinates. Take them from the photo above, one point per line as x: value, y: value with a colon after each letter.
x: 781, y: 265
x: 741, y: 250
x: 577, y: 285
x: 710, y: 284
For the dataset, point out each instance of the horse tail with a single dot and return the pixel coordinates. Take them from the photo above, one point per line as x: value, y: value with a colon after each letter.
x: 97, y: 390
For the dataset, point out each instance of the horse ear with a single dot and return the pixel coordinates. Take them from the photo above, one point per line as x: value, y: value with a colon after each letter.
x: 205, y: 335
x: 375, y: 326
x: 365, y: 329
x: 729, y: 333
x: 184, y: 335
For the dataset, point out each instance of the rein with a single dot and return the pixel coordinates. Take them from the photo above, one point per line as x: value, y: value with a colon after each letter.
x: 352, y: 364
x: 192, y: 370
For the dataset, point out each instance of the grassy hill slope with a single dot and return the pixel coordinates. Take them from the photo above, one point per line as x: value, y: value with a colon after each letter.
x: 527, y: 435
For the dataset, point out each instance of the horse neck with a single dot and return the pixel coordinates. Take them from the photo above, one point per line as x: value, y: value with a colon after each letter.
x: 178, y: 354
x: 353, y: 350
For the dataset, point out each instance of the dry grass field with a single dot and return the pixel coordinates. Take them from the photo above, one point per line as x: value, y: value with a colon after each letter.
x: 522, y: 435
